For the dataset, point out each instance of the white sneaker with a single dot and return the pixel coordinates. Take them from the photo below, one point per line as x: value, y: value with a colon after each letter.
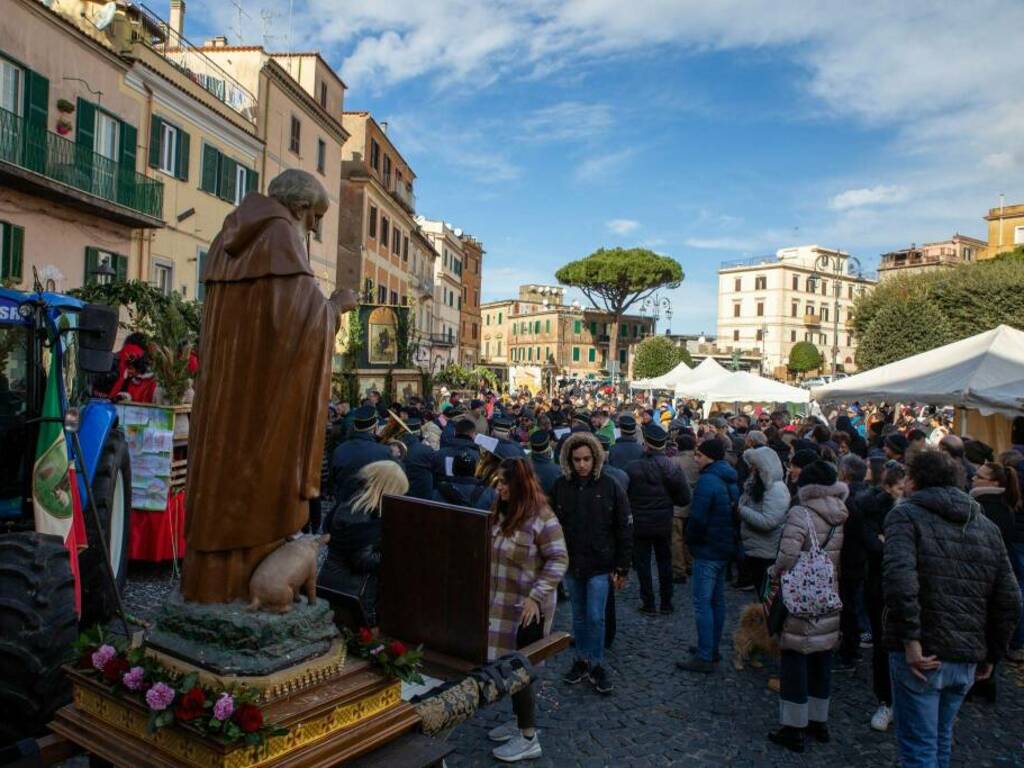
x: 882, y: 717
x: 504, y: 732
x: 518, y: 748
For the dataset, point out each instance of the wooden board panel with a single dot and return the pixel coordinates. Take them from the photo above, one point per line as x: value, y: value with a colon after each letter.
x: 436, y: 576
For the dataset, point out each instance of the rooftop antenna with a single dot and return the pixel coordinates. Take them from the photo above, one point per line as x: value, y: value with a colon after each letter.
x: 239, y: 13
x: 288, y: 40
x: 267, y: 16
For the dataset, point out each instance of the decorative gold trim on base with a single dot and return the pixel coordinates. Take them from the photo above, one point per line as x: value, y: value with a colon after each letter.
x: 271, y: 687
x: 194, y: 750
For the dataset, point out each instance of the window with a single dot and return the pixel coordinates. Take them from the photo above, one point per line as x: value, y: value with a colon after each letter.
x: 536, y: 326
x: 622, y: 357
x: 95, y: 258
x: 538, y: 354
x: 474, y: 330
x: 106, y: 138
x: 794, y: 309
x: 591, y: 355
x: 736, y: 335
x: 824, y: 287
x: 384, y: 224
x: 849, y: 340
x: 295, y: 136
x: 738, y: 284
x: 460, y: 304
x: 499, y: 349
x: 169, y: 149
x: 393, y: 297
x: 809, y: 287
x: 547, y: 326
x: 796, y: 283
x: 1018, y: 235
x: 736, y: 309
x: 760, y: 283
x: 529, y: 353
x: 396, y: 241
x: 575, y: 354
x: 12, y: 248
x: 593, y: 328
x: 163, y: 277
x: 382, y: 294
x: 824, y: 314
x: 760, y: 334
x: 577, y: 326
x: 373, y: 222
x: 499, y: 318
x: 623, y: 330
x: 220, y: 175
x: 760, y: 309
x: 241, y: 184
x: 851, y: 293
x: 387, y: 171
x: 321, y: 155
x: 323, y: 95
x: 374, y: 155
x: 11, y: 83
x: 792, y: 335
x: 200, y: 264
x: 405, y: 248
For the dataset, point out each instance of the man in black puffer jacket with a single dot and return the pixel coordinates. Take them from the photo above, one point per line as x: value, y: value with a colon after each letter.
x: 594, y: 513
x: 952, y: 604
x: 656, y: 486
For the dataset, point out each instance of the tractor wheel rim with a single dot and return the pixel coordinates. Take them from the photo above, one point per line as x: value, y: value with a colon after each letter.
x: 117, y: 513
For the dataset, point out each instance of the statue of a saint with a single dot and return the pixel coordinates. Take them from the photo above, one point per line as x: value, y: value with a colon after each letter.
x: 257, y: 427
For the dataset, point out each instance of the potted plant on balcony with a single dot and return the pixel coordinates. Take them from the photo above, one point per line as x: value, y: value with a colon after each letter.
x: 64, y: 126
x: 65, y: 106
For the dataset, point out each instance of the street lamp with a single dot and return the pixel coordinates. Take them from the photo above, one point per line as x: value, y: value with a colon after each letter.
x: 838, y: 266
x: 655, y: 306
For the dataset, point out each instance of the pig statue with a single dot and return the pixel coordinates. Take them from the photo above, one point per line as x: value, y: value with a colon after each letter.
x: 278, y: 579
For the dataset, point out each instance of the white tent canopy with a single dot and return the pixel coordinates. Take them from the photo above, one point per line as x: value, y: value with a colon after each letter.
x: 707, y: 368
x: 983, y: 372
x: 742, y: 387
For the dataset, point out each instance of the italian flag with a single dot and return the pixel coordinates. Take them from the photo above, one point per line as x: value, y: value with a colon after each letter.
x: 55, y: 498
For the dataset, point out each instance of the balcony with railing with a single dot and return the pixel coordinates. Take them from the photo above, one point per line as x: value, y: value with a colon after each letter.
x: 198, y: 67
x: 812, y: 320
x: 443, y: 339
x: 42, y: 163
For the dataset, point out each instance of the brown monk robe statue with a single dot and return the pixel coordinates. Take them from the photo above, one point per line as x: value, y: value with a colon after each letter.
x: 258, y: 420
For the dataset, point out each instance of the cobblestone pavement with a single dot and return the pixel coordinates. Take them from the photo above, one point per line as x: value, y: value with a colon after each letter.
x: 660, y: 716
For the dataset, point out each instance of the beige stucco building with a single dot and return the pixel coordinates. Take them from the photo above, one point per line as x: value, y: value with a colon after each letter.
x: 73, y: 199
x: 930, y: 257
x: 445, y: 336
x: 1005, y: 229
x: 770, y: 303
x: 539, y: 329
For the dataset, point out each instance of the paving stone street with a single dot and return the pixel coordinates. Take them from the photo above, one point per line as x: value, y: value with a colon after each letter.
x: 660, y: 716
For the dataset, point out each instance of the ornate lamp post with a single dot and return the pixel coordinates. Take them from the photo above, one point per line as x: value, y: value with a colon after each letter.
x: 655, y: 306
x: 837, y: 265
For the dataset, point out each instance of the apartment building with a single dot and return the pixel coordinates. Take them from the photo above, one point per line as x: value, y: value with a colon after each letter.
x: 299, y: 109
x: 931, y: 257
x: 1005, y: 229
x: 445, y: 335
x: 469, y: 317
x: 805, y: 293
x: 74, y: 205
x: 377, y: 217
x: 539, y: 328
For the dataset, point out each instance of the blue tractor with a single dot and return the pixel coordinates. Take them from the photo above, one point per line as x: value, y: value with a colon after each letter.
x: 64, y: 467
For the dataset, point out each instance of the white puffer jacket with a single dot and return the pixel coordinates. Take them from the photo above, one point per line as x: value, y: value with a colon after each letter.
x: 762, y: 520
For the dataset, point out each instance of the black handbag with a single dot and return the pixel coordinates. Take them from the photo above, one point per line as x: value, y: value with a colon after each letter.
x: 530, y: 634
x: 775, y: 610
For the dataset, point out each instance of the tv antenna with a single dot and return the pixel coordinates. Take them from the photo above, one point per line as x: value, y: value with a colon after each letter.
x: 267, y: 17
x: 239, y: 13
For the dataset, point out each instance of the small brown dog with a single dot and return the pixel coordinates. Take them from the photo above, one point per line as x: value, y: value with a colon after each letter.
x: 751, y: 636
x: 284, y: 573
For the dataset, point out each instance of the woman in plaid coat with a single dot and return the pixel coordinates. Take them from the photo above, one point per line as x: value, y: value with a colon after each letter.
x: 528, y: 559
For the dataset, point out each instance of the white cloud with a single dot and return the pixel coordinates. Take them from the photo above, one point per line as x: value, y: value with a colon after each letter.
x: 856, y: 198
x: 566, y: 121
x: 602, y: 165
x: 621, y: 226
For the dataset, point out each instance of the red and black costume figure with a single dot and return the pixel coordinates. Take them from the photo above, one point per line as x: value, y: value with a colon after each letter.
x: 134, y: 381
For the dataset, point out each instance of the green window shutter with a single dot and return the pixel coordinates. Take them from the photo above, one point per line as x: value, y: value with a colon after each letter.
x: 128, y: 148
x: 92, y: 260
x: 547, y: 326
x: 499, y: 318
x: 591, y: 354
x: 228, y: 182
x: 593, y: 328
x: 156, y: 134
x: 575, y: 354
x: 37, y: 98
x: 577, y: 326
x: 85, y: 124
x: 200, y: 285
x: 183, y: 155
x: 211, y: 170
x: 252, y: 181
x: 121, y: 267
x: 15, y: 258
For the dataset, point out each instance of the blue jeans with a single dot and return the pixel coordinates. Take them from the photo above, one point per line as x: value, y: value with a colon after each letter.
x: 709, y: 605
x: 1017, y: 560
x: 588, y: 598
x: 925, y: 710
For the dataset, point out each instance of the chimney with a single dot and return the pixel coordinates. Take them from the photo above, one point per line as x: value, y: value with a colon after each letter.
x: 220, y: 41
x: 384, y: 127
x: 177, y: 18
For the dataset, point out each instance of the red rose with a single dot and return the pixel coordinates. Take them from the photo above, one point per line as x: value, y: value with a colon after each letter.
x: 365, y: 635
x: 114, y: 669
x: 190, y: 706
x: 397, y: 648
x: 249, y: 718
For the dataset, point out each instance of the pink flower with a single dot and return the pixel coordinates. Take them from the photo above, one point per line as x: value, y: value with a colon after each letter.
x: 102, y: 655
x: 133, y: 679
x: 224, y: 707
x: 159, y: 697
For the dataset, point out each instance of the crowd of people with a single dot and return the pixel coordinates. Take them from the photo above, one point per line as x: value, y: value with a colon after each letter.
x: 920, y: 531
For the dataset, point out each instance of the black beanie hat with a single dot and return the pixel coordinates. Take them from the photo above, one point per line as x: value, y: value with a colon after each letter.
x: 804, y: 458
x: 817, y: 473
x: 712, y: 448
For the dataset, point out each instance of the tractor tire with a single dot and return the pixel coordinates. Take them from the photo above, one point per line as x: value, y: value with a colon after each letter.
x: 112, y: 492
x: 38, y: 627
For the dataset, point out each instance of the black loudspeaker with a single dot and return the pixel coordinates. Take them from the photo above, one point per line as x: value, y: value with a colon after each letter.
x: 97, y: 332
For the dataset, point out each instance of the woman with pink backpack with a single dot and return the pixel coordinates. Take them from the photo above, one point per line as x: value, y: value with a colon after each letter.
x: 807, y: 567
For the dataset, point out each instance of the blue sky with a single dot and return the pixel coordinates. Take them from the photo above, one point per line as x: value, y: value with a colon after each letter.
x: 704, y: 131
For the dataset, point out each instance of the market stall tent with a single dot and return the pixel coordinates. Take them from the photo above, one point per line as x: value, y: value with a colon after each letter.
x: 742, y: 387
x: 983, y: 373
x: 707, y: 368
